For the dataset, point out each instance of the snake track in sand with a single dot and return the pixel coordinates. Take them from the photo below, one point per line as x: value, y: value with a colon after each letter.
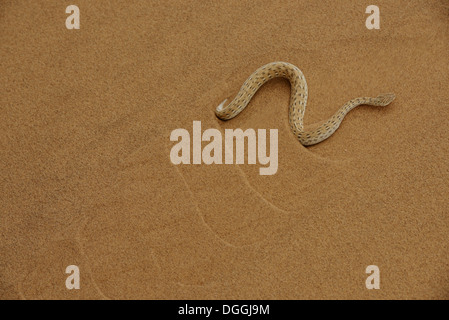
x: 298, y: 100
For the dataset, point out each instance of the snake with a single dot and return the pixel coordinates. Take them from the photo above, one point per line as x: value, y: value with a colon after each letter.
x: 308, y: 135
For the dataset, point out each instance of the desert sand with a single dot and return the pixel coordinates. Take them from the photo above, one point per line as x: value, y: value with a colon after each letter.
x: 86, y: 177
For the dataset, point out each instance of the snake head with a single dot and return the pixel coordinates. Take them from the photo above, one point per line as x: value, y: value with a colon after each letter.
x: 385, y: 99
x: 221, y: 105
x: 220, y: 111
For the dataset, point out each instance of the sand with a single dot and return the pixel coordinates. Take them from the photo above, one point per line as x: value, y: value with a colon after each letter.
x: 86, y: 177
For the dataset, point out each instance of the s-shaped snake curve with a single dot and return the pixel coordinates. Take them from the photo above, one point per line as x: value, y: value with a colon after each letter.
x: 298, y: 100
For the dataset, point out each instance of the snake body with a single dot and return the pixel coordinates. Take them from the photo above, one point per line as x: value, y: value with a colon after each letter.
x: 298, y: 99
